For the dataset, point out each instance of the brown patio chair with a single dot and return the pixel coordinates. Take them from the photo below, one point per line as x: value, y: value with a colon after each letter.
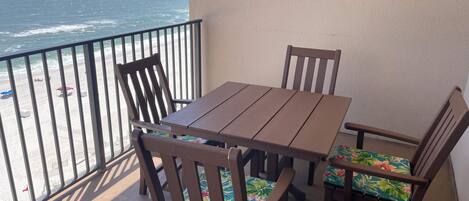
x: 148, y: 98
x: 313, y: 80
x: 356, y: 174
x: 208, y: 172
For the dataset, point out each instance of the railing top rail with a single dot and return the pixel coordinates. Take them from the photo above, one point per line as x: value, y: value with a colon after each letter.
x: 41, y: 50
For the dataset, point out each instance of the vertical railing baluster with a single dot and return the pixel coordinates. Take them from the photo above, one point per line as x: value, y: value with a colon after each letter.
x: 198, y: 60
x: 132, y: 40
x: 24, y: 149
x: 53, y: 119
x: 116, y: 86
x: 158, y: 42
x: 106, y: 96
x: 180, y: 62
x: 80, y: 109
x: 90, y: 65
x: 192, y: 61
x: 6, y: 157
x: 124, y: 54
x: 166, y: 52
x: 124, y: 60
x: 150, y: 43
x: 185, y: 60
x: 67, y: 113
x: 38, y: 124
x: 142, y: 46
x: 174, y: 63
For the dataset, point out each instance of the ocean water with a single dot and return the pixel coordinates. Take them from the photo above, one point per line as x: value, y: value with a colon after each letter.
x: 28, y: 25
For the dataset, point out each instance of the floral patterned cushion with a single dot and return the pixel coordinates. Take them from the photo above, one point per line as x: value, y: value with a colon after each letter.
x: 186, y: 138
x: 257, y: 189
x: 371, y: 185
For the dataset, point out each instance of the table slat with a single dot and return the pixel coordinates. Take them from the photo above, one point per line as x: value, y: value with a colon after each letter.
x: 220, y: 117
x: 284, y: 126
x: 320, y: 130
x: 248, y: 124
x: 203, y: 105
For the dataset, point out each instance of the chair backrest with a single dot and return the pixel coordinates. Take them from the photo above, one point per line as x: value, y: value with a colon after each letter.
x: 312, y: 55
x: 151, y: 95
x: 440, y: 139
x: 193, y: 156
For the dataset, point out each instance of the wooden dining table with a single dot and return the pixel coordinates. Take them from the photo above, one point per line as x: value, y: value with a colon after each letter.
x: 290, y: 123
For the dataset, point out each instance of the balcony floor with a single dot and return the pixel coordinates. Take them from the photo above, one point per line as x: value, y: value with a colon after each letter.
x: 120, y: 180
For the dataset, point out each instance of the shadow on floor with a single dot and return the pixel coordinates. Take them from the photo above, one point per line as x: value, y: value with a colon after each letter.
x: 120, y: 180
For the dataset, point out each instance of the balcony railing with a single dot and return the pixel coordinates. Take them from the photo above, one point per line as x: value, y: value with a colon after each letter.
x: 52, y: 140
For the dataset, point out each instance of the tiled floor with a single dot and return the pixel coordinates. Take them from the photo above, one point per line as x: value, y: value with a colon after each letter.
x: 120, y: 181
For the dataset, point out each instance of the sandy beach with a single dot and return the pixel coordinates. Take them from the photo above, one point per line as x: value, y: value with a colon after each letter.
x: 29, y: 127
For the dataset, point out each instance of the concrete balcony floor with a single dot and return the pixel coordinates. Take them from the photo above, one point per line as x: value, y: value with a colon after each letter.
x: 120, y: 180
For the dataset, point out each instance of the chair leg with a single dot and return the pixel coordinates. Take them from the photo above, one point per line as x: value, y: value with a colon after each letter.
x: 328, y: 194
x: 311, y: 170
x: 143, y: 186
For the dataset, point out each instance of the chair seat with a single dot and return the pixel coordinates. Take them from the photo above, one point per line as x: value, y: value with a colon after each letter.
x: 371, y: 185
x: 257, y: 189
x: 186, y: 138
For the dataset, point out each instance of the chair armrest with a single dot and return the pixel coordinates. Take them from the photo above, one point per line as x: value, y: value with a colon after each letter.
x: 283, y: 182
x: 183, y: 101
x: 150, y: 126
x: 381, y: 132
x: 373, y: 171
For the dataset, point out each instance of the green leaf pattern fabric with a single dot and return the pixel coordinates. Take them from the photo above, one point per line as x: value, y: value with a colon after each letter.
x: 371, y: 185
x: 257, y: 189
x: 186, y: 138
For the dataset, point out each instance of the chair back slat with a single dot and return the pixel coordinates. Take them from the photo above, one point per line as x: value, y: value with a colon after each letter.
x: 308, y: 80
x: 172, y: 176
x: 309, y: 74
x: 194, y: 158
x: 433, y: 139
x: 157, y: 90
x: 191, y: 179
x: 141, y: 100
x: 147, y: 81
x: 321, y: 75
x: 165, y: 87
x: 213, y: 182
x: 237, y: 174
x: 150, y: 97
x: 298, y: 72
x: 435, y: 148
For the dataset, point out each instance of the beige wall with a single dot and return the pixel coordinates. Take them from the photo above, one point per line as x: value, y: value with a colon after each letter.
x: 400, y: 58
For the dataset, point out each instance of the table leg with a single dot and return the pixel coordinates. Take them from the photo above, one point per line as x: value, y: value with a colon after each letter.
x: 254, y: 167
x: 272, y: 166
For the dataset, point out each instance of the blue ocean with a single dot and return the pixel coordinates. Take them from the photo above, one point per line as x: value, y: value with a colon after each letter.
x: 33, y: 24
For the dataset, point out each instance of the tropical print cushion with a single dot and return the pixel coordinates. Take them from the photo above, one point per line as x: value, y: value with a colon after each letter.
x: 186, y: 138
x: 257, y: 189
x: 371, y: 185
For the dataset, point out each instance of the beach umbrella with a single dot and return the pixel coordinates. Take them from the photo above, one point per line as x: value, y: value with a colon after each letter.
x: 6, y: 93
x: 66, y: 90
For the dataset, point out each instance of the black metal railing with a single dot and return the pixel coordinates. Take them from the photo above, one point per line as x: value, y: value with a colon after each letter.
x: 66, y: 138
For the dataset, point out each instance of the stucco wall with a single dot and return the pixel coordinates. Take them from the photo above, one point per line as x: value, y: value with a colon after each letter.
x: 400, y: 58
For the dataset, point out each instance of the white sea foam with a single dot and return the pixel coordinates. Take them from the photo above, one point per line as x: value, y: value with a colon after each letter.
x: 102, y: 22
x: 4, y: 33
x: 54, y: 29
x: 70, y: 28
x: 13, y: 49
